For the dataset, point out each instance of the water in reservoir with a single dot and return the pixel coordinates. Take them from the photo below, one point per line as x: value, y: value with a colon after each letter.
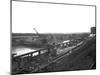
x: 23, y: 50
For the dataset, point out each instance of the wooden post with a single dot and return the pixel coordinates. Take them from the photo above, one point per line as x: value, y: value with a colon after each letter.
x: 39, y: 53
x: 48, y: 51
x: 31, y: 54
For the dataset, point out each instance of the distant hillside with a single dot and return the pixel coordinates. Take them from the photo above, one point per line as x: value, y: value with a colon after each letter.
x: 56, y: 34
x: 52, y: 36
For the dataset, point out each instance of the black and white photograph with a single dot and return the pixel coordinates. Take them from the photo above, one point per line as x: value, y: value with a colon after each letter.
x: 52, y: 37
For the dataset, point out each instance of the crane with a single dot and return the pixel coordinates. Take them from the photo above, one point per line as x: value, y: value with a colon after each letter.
x: 37, y: 34
x: 36, y: 31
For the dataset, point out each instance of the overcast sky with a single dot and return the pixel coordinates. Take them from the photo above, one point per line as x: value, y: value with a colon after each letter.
x: 51, y: 18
